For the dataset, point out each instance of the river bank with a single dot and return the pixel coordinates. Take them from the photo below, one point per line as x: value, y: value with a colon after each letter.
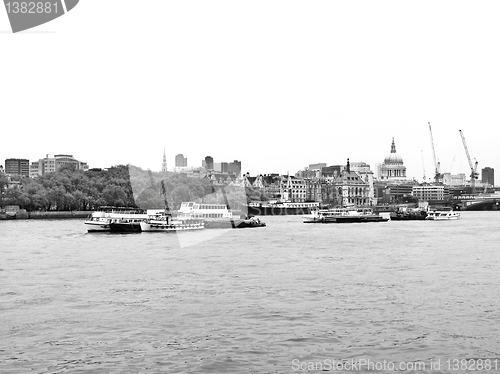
x: 23, y: 214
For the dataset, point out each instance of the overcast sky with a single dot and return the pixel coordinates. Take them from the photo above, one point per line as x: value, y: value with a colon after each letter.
x: 276, y: 84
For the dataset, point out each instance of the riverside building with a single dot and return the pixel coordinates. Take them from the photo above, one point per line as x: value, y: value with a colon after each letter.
x: 53, y: 164
x: 352, y: 189
x: 17, y: 166
x: 364, y: 171
x: 431, y: 192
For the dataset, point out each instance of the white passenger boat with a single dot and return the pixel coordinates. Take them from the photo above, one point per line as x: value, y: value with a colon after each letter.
x: 100, y: 220
x: 343, y: 215
x: 280, y: 207
x: 204, y: 211
x: 164, y: 222
x: 442, y: 215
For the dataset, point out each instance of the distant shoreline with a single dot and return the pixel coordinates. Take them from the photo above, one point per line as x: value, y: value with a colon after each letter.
x: 44, y: 215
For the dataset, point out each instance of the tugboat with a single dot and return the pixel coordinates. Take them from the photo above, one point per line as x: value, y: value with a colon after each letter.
x: 249, y: 222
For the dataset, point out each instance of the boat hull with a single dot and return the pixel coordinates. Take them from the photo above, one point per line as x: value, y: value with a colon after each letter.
x: 125, y: 227
x: 442, y: 216
x: 164, y: 227
x: 233, y: 224
x: 95, y: 226
x: 347, y: 219
x: 408, y: 217
x: 362, y: 219
x: 277, y: 211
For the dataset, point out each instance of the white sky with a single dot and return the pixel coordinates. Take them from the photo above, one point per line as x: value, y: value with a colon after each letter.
x: 275, y: 84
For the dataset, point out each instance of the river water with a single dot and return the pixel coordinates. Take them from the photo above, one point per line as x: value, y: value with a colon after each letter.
x: 286, y: 298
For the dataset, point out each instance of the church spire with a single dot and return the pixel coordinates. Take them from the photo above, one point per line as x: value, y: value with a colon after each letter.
x: 393, y: 146
x: 164, y: 164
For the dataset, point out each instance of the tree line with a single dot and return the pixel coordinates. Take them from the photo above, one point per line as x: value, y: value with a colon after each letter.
x: 122, y: 185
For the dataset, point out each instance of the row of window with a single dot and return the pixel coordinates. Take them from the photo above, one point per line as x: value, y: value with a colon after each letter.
x: 210, y: 206
x: 209, y: 215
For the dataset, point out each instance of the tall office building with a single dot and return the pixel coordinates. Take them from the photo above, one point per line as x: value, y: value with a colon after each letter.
x: 223, y: 167
x: 234, y: 168
x: 17, y: 166
x: 209, y: 163
x: 488, y: 175
x: 181, y: 161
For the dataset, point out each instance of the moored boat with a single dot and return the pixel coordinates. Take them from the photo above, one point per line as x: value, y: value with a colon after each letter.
x: 344, y: 215
x: 442, y: 215
x: 280, y: 208
x: 216, y: 216
x: 409, y: 214
x: 99, y: 221
x: 249, y: 222
x: 164, y: 222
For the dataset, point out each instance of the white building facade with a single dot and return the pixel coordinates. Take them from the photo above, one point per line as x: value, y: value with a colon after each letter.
x: 53, y: 164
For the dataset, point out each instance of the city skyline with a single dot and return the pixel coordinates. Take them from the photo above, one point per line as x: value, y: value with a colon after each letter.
x: 311, y: 83
x: 374, y: 167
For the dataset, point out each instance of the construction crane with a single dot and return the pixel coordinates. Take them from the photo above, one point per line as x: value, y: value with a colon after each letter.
x: 473, y: 168
x: 437, y: 165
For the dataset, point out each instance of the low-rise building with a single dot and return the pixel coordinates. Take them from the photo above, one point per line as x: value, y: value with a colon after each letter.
x: 53, y: 164
x: 393, y: 192
x: 331, y: 172
x: 430, y: 192
x: 351, y: 188
x: 454, y: 180
x: 17, y: 166
x: 364, y: 171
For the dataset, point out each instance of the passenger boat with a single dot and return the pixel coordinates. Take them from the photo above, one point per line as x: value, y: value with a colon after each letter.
x: 280, y: 207
x: 442, y: 215
x: 164, y: 222
x: 216, y: 216
x: 204, y: 211
x: 409, y: 214
x: 344, y: 215
x: 100, y: 220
